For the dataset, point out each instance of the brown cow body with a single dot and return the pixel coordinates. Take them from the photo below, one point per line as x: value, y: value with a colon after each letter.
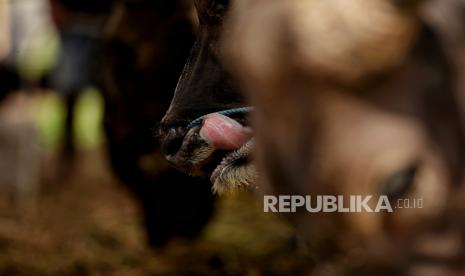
x: 145, y: 48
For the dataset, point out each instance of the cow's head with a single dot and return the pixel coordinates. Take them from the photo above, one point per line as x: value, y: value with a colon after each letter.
x: 352, y: 98
x: 206, y: 87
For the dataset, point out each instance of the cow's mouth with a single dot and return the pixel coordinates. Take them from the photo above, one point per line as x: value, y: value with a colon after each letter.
x: 219, y: 148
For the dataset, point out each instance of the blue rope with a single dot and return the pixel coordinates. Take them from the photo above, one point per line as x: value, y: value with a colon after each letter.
x: 227, y: 112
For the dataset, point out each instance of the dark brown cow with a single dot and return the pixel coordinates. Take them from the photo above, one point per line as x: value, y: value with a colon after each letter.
x: 206, y: 87
x: 146, y: 45
x: 356, y: 98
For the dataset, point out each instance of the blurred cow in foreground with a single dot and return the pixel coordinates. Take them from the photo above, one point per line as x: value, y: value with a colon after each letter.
x: 357, y: 98
x: 145, y: 47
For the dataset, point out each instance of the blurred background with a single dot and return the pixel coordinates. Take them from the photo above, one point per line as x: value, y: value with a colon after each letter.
x: 69, y: 204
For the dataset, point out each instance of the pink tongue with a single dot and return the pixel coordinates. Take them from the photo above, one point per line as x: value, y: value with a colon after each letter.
x: 224, y: 133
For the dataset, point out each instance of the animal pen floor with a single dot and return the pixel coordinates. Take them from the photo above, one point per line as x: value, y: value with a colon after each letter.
x: 89, y: 225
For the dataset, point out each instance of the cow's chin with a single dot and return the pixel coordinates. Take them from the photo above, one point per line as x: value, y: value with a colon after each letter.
x: 235, y: 171
x: 228, y: 170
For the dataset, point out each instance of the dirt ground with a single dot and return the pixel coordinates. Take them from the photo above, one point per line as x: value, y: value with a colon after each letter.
x: 89, y: 225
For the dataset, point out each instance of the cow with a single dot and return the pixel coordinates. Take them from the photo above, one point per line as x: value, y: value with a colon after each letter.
x: 145, y: 46
x: 207, y: 87
x: 356, y: 98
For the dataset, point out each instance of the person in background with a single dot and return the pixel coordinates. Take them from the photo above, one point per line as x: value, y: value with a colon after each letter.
x: 79, y: 24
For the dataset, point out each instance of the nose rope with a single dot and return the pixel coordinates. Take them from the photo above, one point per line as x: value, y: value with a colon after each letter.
x: 227, y: 112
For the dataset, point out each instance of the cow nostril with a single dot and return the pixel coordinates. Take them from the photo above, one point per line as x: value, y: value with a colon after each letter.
x: 172, y: 142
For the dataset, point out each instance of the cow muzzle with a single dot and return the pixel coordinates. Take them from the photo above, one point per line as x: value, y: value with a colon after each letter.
x: 219, y: 148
